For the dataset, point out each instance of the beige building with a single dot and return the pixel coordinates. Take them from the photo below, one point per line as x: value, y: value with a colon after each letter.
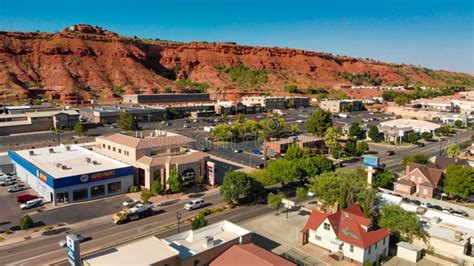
x: 155, y: 156
x: 338, y: 106
x: 37, y: 121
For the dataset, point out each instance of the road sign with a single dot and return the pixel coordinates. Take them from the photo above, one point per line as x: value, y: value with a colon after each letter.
x: 73, y: 250
x: 211, y: 167
x: 371, y: 161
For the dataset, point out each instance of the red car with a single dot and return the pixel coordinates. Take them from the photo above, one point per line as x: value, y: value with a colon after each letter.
x: 389, y: 153
x: 25, y: 197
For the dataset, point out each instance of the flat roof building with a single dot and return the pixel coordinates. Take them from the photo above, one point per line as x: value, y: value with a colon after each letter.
x: 338, y: 106
x: 192, y: 247
x: 166, y: 98
x: 418, y: 126
x: 70, y: 173
x: 110, y: 114
x: 154, y: 156
x: 275, y: 102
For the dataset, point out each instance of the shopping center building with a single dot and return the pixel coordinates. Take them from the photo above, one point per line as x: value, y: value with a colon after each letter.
x: 71, y: 173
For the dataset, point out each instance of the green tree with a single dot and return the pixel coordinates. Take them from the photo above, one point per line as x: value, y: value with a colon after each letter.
x: 174, y: 181
x: 415, y: 158
x: 127, y: 122
x: 117, y: 90
x: 373, y: 133
x: 26, y: 222
x: 351, y: 147
x: 331, y: 139
x: 237, y: 130
x: 222, y: 132
x: 241, y: 118
x: 263, y: 176
x: 402, y: 224
x: 235, y: 185
x: 145, y: 194
x: 295, y: 152
x: 319, y: 122
x: 459, y: 181
x: 362, y: 147
x: 355, y: 130
x: 156, y: 188
x: 293, y: 128
x: 225, y: 117
x: 291, y: 104
x: 413, y: 137
x: 454, y: 150
x: 383, y: 179
x: 345, y: 187
x: 458, y: 123
x: 291, y: 89
x: 199, y: 221
x: 283, y: 170
x: 80, y: 129
x: 367, y: 202
x: 316, y: 165
x: 445, y: 130
x: 426, y: 135
x: 272, y: 127
x: 274, y: 200
x: 251, y: 127
x: 301, y: 193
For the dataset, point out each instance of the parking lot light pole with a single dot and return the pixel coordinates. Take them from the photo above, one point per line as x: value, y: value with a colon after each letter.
x: 178, y: 217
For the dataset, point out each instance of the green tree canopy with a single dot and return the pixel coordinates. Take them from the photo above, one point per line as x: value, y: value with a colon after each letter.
x: 174, y: 181
x: 222, y: 132
x: 235, y: 185
x: 274, y: 200
x: 283, y: 170
x: 459, y: 181
x: 332, y: 139
x: 145, y: 194
x: 355, y: 130
x: 293, y: 128
x: 402, y: 224
x: 426, y: 135
x: 351, y: 147
x: 272, y: 127
x: 458, y: 123
x: 295, y: 152
x: 362, y: 147
x: 415, y: 158
x: 301, y: 193
x: 383, y: 179
x: 199, y: 221
x: 413, y: 137
x: 445, y: 130
x: 127, y: 122
x: 156, y: 187
x: 26, y: 222
x: 373, y: 133
x: 80, y: 129
x: 319, y: 122
x: 263, y: 176
x: 454, y: 150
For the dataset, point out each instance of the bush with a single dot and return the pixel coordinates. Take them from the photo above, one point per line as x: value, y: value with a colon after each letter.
x: 156, y: 188
x: 133, y: 189
x: 205, y: 212
x: 198, y: 222
x: 26, y: 222
x: 145, y: 194
x: 48, y: 228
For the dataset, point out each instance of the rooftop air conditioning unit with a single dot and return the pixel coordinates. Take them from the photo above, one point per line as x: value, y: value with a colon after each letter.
x: 51, y: 150
x: 95, y: 162
x: 58, y: 165
x: 88, y: 160
x: 63, y: 167
x: 68, y: 148
x: 209, y: 242
x: 32, y: 152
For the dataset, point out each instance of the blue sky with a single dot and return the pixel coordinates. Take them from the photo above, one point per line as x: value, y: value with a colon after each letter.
x: 433, y: 33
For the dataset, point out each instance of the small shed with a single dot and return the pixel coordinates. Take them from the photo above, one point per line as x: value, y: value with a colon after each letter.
x: 409, y: 252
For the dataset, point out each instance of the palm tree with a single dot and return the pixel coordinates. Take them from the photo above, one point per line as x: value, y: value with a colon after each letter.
x: 454, y: 150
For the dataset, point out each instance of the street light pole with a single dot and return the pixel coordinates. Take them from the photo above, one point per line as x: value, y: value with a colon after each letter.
x: 178, y: 217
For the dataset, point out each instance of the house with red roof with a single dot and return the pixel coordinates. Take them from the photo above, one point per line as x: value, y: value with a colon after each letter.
x: 420, y: 180
x: 249, y: 255
x: 347, y: 233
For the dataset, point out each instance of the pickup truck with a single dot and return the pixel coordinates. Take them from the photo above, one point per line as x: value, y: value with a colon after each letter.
x: 137, y: 212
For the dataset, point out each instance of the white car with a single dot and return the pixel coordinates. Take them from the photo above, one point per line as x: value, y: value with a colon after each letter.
x: 299, y: 121
x: 63, y: 242
x: 8, y: 181
x: 31, y: 204
x: 194, y: 204
x: 311, y: 194
x: 15, y: 188
x: 130, y: 203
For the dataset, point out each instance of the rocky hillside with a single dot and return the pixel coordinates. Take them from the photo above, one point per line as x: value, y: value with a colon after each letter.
x: 94, y: 62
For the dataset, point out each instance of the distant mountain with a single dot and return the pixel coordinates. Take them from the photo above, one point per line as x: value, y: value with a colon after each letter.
x: 94, y: 62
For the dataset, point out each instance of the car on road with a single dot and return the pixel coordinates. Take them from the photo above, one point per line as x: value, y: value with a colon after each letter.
x: 420, y: 144
x: 186, y: 126
x: 299, y: 121
x: 15, y: 188
x: 237, y: 150
x: 31, y: 204
x: 63, y: 241
x: 435, y: 207
x: 22, y: 198
x: 389, y: 153
x: 260, y: 166
x: 130, y: 203
x: 461, y: 212
x: 205, y: 149
x: 194, y: 204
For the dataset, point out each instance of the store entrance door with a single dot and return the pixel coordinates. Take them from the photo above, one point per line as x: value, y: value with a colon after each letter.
x: 62, y: 197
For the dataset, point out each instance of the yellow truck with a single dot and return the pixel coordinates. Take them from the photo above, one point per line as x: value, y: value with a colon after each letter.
x: 137, y: 212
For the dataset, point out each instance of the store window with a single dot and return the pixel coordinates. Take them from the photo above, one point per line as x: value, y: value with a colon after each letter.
x: 80, y: 194
x: 97, y: 191
x: 114, y: 187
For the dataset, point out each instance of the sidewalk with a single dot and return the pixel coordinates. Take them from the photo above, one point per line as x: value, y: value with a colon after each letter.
x: 37, y: 233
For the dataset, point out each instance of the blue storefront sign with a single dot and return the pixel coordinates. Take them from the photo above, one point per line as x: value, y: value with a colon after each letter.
x: 69, y: 180
x: 371, y: 161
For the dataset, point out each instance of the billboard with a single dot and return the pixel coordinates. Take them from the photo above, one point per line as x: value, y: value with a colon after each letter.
x: 371, y: 161
x: 211, y: 168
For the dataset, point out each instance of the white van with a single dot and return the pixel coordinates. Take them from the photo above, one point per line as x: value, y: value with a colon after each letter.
x: 194, y: 204
x: 31, y: 204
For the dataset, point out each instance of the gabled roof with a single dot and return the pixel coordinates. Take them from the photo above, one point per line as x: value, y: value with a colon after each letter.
x: 442, y: 163
x: 404, y: 181
x: 349, y: 225
x: 432, y: 174
x: 249, y: 255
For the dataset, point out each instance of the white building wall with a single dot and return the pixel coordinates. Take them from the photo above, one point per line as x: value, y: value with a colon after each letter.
x: 376, y: 253
x: 34, y: 182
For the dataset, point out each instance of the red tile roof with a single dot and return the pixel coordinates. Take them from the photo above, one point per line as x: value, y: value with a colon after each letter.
x: 349, y: 226
x: 249, y: 255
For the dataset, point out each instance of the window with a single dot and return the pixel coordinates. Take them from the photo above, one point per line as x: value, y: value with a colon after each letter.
x: 113, y: 148
x: 80, y: 194
x: 425, y: 191
x: 114, y: 187
x: 327, y: 226
x: 383, y: 241
x: 108, y: 147
x: 97, y: 191
x: 103, y: 146
x: 375, y: 247
x: 412, y: 178
x: 351, y: 248
x: 120, y: 150
x: 317, y: 238
x: 419, y: 179
x: 196, y: 262
x: 369, y: 249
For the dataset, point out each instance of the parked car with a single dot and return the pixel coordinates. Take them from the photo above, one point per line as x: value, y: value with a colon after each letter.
x: 194, y: 204
x: 461, y: 212
x: 448, y: 209
x: 63, y: 242
x: 420, y: 144
x: 31, y: 204
x: 389, y: 153
x: 416, y: 202
x: 130, y: 203
x: 15, y: 188
x: 204, y: 149
x: 22, y: 198
x: 256, y: 151
x: 260, y: 166
x: 435, y: 207
x: 7, y: 181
